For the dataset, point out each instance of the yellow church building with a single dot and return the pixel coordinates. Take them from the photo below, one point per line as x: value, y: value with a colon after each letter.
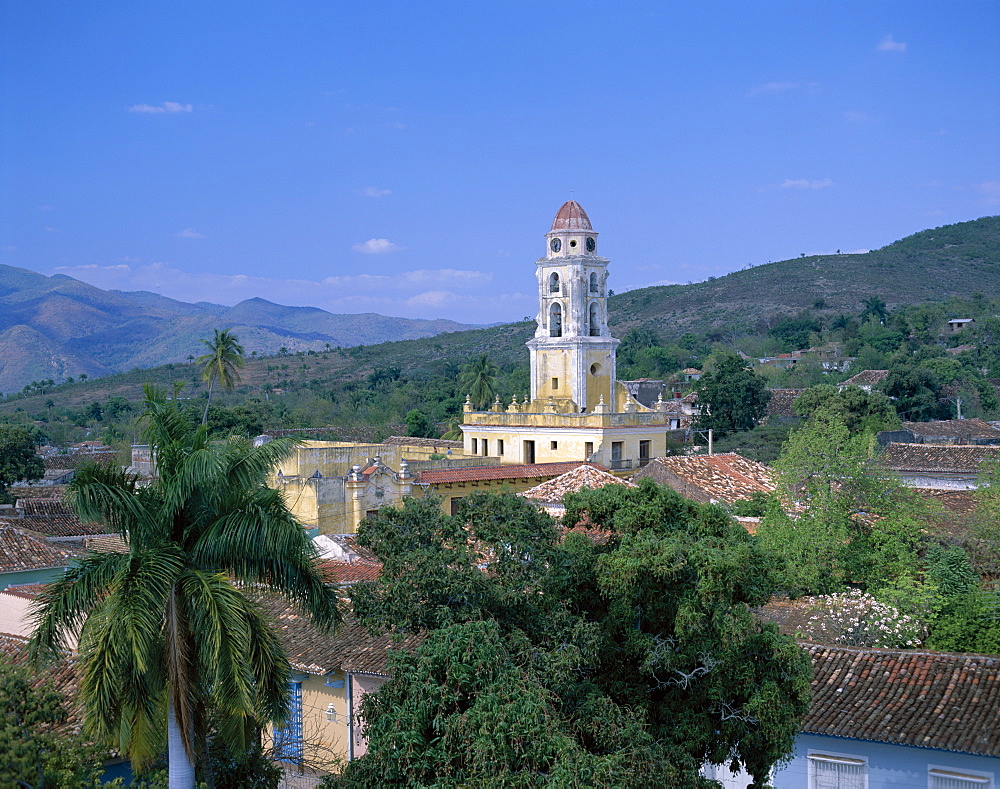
x: 578, y: 410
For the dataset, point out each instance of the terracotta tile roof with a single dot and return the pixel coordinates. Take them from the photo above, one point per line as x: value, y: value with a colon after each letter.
x: 41, y: 492
x: 20, y: 551
x: 33, y: 506
x: 106, y: 543
x: 430, y: 443
x: 74, y: 461
x: 954, y: 429
x: 791, y: 616
x: 725, y: 477
x: 57, y: 525
x: 26, y: 591
x: 349, y: 573
x: 866, y: 378
x: 513, y: 471
x: 371, y: 655
x: 782, y: 400
x: 964, y: 459
x: 571, y: 216
x: 63, y: 674
x: 917, y: 698
x: 960, y: 502
x: 351, y: 648
x: 583, y: 477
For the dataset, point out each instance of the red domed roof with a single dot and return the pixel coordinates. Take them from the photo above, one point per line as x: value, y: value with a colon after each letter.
x: 571, y: 217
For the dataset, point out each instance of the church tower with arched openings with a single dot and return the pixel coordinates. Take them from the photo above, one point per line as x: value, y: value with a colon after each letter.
x: 572, y: 352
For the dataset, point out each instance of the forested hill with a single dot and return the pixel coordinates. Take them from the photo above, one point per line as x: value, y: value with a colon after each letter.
x: 954, y: 260
x: 54, y: 328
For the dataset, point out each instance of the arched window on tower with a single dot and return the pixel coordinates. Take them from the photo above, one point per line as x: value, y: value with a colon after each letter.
x: 555, y: 320
x: 595, y: 319
x: 593, y: 283
x: 554, y: 283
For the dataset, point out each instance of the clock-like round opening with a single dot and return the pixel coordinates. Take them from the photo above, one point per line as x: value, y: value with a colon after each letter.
x: 572, y: 243
x: 595, y: 369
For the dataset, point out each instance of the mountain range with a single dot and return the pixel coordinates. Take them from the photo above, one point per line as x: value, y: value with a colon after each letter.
x: 58, y: 327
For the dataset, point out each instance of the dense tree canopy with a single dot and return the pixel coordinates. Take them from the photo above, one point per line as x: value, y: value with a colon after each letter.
x: 732, y: 397
x: 626, y: 661
x: 17, y: 457
x: 859, y: 410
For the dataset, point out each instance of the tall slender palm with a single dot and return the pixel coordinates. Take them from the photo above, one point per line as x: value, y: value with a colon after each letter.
x: 166, y: 633
x: 222, y: 363
x: 480, y: 376
x: 875, y: 308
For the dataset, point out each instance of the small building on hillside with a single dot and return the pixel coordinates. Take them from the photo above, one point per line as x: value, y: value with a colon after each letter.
x: 955, y: 325
x: 866, y: 379
x: 710, y: 479
x: 940, y: 467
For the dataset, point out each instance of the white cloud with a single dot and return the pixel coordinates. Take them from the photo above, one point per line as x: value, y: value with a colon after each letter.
x: 433, y: 298
x: 189, y: 232
x: 376, y: 246
x: 168, y: 107
x: 374, y: 191
x: 771, y: 88
x: 803, y: 183
x: 889, y: 44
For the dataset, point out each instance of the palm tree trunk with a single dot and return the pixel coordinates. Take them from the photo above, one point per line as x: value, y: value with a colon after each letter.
x: 204, y: 417
x: 180, y: 768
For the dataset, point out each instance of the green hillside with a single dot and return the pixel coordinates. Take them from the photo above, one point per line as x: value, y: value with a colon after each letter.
x: 954, y: 260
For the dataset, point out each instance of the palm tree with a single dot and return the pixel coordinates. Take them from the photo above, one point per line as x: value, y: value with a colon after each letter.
x: 875, y: 308
x: 480, y: 376
x: 221, y: 363
x: 166, y: 634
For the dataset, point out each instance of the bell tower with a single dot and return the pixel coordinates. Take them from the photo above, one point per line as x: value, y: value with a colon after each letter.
x: 572, y: 352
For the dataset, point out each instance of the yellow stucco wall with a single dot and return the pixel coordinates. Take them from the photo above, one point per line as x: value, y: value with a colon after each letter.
x: 325, y: 742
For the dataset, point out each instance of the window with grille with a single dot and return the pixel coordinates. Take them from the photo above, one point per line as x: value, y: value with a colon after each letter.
x: 827, y: 771
x: 288, y: 738
x: 949, y: 779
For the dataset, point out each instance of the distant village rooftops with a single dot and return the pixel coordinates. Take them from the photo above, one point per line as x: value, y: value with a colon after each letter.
x: 782, y: 400
x: 583, y: 477
x: 955, y: 431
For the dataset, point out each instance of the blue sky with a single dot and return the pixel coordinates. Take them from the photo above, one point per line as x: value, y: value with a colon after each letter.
x: 407, y: 158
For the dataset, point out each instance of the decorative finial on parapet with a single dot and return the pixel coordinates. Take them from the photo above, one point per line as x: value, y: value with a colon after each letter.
x: 404, y: 469
x: 550, y: 406
x: 627, y: 408
x: 497, y: 405
x: 660, y: 405
x: 467, y: 407
x: 601, y: 407
x: 513, y: 408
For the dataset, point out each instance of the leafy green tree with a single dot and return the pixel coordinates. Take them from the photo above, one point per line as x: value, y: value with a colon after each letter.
x: 18, y: 460
x: 479, y: 379
x: 860, y: 410
x: 915, y: 392
x: 732, y: 397
x: 570, y: 662
x: 168, y: 633
x: 222, y: 363
x: 36, y: 747
x: 417, y: 424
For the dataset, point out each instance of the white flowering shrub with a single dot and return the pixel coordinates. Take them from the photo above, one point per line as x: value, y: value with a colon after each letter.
x: 856, y: 619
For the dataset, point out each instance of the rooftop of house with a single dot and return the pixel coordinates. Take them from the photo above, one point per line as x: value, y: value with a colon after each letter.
x: 25, y: 591
x: 63, y: 674
x: 782, y: 400
x: 513, y: 471
x: 349, y: 573
x: 106, y: 543
x: 57, y: 525
x: 77, y: 459
x: 371, y: 654
x: 725, y: 477
x: 430, y: 443
x: 583, y: 477
x: 866, y: 378
x: 948, y: 459
x: 953, y: 428
x: 907, y: 697
x: 37, y: 506
x: 20, y: 552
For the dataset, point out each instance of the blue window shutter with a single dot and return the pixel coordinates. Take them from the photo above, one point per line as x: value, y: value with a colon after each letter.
x: 288, y: 744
